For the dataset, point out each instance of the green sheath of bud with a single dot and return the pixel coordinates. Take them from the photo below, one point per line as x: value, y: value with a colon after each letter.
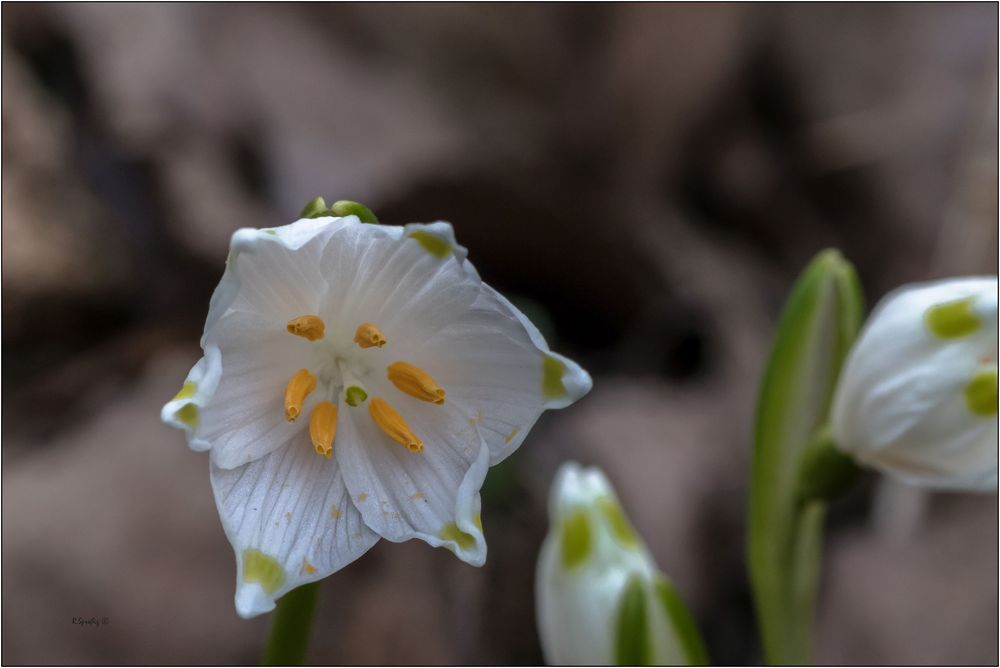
x: 682, y: 622
x: 818, y: 325
x: 632, y: 642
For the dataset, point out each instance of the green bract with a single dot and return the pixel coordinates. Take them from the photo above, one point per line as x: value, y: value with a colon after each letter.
x: 820, y: 321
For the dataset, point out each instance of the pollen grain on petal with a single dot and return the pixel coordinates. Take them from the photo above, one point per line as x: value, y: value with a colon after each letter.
x: 393, y: 424
x: 323, y: 428
x: 415, y: 382
x: 369, y: 336
x: 301, y: 384
x: 307, y: 326
x: 307, y: 568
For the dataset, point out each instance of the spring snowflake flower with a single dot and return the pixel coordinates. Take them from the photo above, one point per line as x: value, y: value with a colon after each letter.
x: 358, y: 380
x: 917, y: 397
x: 600, y: 598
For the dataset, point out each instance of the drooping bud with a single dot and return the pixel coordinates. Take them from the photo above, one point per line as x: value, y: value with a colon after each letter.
x: 918, y: 395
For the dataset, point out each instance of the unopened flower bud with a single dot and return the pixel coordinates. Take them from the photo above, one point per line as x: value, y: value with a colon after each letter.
x: 917, y: 398
x: 600, y: 598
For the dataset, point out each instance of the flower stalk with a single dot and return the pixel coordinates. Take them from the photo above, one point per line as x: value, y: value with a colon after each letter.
x: 826, y: 471
x: 292, y: 622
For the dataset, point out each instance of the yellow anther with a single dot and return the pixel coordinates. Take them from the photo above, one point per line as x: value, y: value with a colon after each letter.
x: 393, y: 424
x: 415, y: 382
x: 301, y: 384
x: 307, y: 326
x: 369, y: 336
x: 323, y: 428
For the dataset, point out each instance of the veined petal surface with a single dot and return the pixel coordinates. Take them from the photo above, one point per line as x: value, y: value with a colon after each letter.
x: 290, y: 520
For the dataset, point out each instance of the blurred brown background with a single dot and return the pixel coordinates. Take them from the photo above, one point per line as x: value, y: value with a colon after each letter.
x: 653, y: 177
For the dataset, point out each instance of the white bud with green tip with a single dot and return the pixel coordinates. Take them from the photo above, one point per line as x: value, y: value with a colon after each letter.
x: 600, y: 598
x: 918, y: 395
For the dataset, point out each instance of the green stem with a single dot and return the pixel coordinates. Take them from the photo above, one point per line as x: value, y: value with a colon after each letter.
x: 290, y: 628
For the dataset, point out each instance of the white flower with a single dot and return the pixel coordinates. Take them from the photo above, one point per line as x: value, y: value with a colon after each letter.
x: 358, y: 381
x: 600, y: 598
x: 917, y: 397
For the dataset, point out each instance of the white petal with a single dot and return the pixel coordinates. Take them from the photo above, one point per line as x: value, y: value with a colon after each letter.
x: 275, y: 273
x: 383, y: 275
x: 432, y: 495
x: 445, y: 233
x: 498, y: 371
x: 184, y: 410
x: 291, y: 507
x: 245, y: 417
x: 574, y: 380
x: 942, y: 449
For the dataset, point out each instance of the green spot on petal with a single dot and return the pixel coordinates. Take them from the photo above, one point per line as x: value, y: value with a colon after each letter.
x: 262, y: 569
x: 576, y: 539
x: 355, y: 396
x: 620, y: 526
x: 434, y: 245
x: 346, y: 207
x: 981, y: 394
x: 452, y: 532
x: 552, y: 373
x: 953, y: 319
x: 188, y: 414
x: 270, y: 231
x: 187, y: 390
x: 632, y: 641
x: 316, y: 208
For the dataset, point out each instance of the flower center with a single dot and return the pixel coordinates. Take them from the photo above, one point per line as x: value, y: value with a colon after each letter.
x: 339, y: 371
